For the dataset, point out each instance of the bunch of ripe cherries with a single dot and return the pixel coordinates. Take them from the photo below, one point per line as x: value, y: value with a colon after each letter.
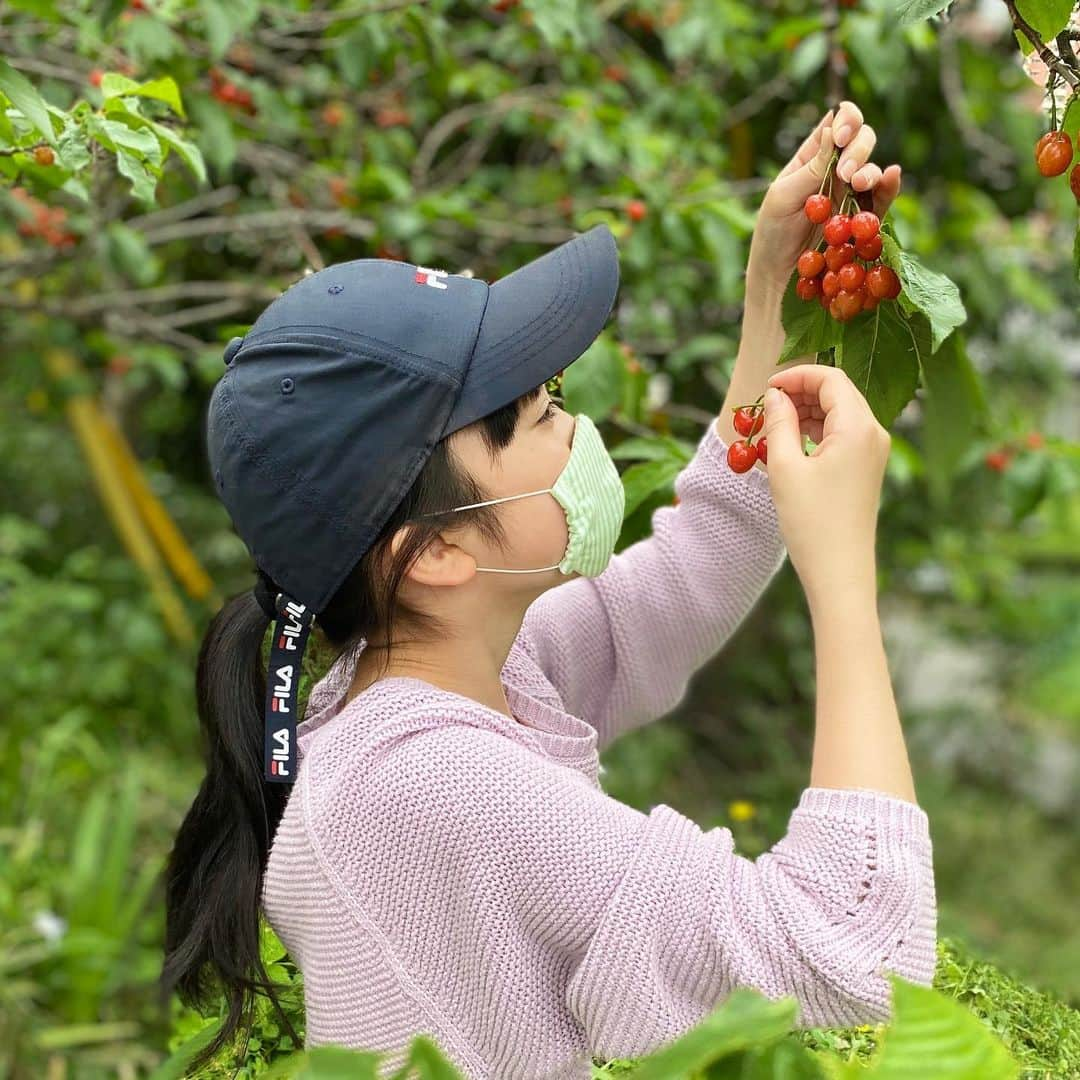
x: 848, y: 276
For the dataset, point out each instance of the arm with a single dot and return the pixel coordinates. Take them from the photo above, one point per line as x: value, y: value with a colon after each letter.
x: 621, y: 648
x: 638, y: 924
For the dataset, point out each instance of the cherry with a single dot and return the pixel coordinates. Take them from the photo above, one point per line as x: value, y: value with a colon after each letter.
x: 1053, y: 153
x: 333, y: 114
x: 806, y: 288
x: 810, y: 263
x: 882, y: 281
x: 830, y: 284
x: 823, y: 300
x: 1035, y: 440
x: 44, y: 155
x: 1074, y: 181
x: 636, y: 210
x: 870, y: 301
x: 997, y: 460
x: 96, y: 76
x: 838, y: 229
x: 762, y: 450
x: 741, y: 456
x: 747, y: 422
x: 818, y: 208
x: 865, y: 225
x: 869, y: 249
x: 845, y: 305
x: 838, y: 256
x: 851, y: 276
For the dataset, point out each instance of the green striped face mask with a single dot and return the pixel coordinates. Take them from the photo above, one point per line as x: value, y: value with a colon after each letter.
x: 590, y: 490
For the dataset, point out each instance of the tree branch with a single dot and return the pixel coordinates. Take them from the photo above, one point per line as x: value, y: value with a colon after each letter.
x: 1048, y: 56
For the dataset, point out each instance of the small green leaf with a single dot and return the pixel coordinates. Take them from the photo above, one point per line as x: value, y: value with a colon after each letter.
x: 592, y: 384
x: 143, y: 182
x: 913, y: 11
x: 640, y: 481
x: 22, y: 94
x: 926, y: 290
x: 1048, y: 17
x: 808, y: 327
x: 164, y: 89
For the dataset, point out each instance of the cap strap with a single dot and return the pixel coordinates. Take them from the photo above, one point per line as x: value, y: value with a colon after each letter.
x: 291, y: 631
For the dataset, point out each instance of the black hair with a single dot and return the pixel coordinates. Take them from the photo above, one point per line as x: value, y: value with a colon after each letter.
x: 215, y: 871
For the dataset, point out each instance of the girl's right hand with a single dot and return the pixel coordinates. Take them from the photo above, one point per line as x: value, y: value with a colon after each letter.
x: 827, y: 501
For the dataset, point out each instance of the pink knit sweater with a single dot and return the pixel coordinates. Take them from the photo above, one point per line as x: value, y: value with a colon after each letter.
x: 444, y: 868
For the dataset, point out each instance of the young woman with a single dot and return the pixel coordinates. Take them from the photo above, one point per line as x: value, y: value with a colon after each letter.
x: 432, y: 844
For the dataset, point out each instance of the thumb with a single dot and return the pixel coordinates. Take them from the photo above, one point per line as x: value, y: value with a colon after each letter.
x: 781, y: 426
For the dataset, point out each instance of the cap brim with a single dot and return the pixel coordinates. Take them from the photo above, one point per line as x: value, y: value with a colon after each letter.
x: 538, y: 320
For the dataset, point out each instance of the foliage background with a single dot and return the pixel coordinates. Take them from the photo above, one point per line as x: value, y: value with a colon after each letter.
x: 463, y: 136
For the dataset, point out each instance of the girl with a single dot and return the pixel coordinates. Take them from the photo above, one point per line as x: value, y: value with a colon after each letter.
x: 432, y: 844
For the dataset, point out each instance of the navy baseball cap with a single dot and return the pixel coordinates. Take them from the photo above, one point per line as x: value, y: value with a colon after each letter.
x: 335, y: 398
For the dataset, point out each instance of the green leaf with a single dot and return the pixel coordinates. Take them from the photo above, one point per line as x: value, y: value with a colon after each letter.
x: 22, y: 94
x: 925, y: 290
x: 953, y: 408
x: 1048, y: 17
x: 188, y: 152
x: 640, y: 447
x: 164, y: 89
x: 808, y: 327
x: 913, y: 11
x: 881, y: 352
x: 141, y: 143
x: 143, y: 181
x: 745, y: 1019
x: 131, y: 255
x: 929, y: 1026
x: 592, y: 384
x: 640, y: 481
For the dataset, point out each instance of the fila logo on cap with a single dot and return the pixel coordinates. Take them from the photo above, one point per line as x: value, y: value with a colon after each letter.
x: 426, y: 276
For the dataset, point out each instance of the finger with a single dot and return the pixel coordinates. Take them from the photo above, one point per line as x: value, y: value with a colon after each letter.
x: 865, y: 178
x: 887, y: 189
x: 809, y: 146
x: 849, y: 119
x: 857, y: 152
x: 838, y: 397
x: 818, y: 165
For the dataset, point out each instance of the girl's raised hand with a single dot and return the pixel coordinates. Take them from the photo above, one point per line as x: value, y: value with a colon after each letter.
x: 782, y: 229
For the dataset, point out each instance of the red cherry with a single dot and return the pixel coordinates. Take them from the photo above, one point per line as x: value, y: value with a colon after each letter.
x: 44, y: 155
x: 830, y: 284
x: 845, y: 305
x: 806, y: 288
x: 823, y: 300
x: 851, y: 276
x: 762, y: 450
x: 869, y: 249
x: 997, y: 460
x: 747, y: 422
x: 870, y: 301
x: 882, y: 281
x: 865, y: 225
x: 1074, y: 181
x: 818, y: 208
x: 1053, y: 153
x: 1035, y: 440
x: 838, y: 229
x: 636, y: 210
x: 741, y: 456
x: 838, y: 256
x: 96, y: 76
x: 810, y: 264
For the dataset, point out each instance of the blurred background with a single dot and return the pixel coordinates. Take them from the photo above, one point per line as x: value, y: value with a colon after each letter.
x: 472, y: 137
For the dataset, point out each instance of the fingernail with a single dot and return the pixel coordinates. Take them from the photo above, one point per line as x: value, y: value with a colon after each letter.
x: 841, y: 135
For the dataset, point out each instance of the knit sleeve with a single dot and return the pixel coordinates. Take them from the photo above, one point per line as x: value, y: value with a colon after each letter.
x: 510, y: 867
x: 620, y: 648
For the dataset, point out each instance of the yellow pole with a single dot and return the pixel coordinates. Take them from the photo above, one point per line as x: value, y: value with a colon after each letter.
x: 80, y: 409
x: 169, y: 539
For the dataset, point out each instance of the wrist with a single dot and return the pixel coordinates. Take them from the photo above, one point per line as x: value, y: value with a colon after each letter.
x: 847, y: 594
x: 764, y: 286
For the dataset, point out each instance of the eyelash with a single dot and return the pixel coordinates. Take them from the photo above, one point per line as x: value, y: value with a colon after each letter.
x: 549, y: 413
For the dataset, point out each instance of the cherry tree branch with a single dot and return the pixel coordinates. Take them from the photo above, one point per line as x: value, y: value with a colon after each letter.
x: 1048, y: 56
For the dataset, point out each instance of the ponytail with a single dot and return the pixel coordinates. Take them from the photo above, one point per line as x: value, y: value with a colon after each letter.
x: 214, y: 876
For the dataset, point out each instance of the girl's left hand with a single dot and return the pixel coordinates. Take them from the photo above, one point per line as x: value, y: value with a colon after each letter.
x: 783, y: 230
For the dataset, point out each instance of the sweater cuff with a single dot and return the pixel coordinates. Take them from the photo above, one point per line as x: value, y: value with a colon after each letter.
x: 899, y: 817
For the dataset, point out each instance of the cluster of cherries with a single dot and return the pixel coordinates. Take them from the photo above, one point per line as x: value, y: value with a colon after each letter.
x: 848, y: 276
x: 1054, y: 154
x: 748, y: 421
